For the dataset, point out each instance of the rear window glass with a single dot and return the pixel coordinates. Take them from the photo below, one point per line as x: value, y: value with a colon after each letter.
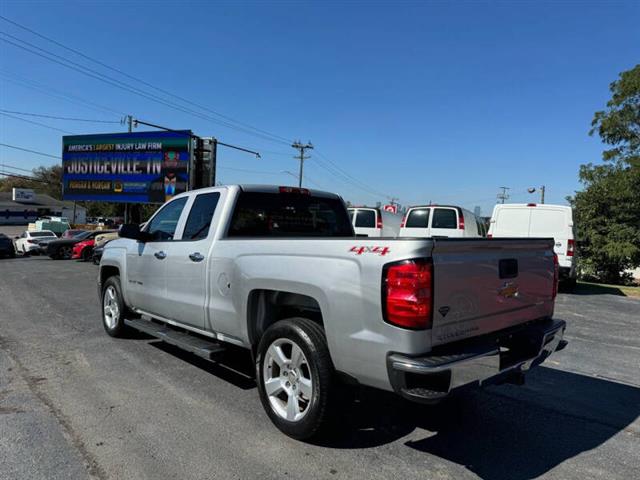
x: 42, y: 234
x: 260, y: 214
x: 418, y: 218
x: 444, y: 218
x: 366, y: 219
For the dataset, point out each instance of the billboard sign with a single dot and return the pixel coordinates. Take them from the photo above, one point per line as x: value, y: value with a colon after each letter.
x: 140, y: 167
x: 23, y: 195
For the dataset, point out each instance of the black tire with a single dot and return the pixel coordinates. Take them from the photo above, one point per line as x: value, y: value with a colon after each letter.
x: 310, y: 338
x: 86, y: 254
x: 118, y: 328
x: 65, y: 253
x: 96, y: 260
x: 568, y: 285
x: 24, y: 252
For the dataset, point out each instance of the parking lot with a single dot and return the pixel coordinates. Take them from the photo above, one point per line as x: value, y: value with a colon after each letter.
x: 75, y: 403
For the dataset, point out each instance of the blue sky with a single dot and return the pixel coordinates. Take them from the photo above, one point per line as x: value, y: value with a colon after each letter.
x: 424, y: 101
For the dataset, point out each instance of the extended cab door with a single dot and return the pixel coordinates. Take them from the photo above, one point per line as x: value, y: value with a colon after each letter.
x: 147, y: 261
x: 188, y: 258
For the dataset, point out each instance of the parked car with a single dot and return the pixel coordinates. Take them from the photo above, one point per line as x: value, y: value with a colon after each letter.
x: 542, y: 220
x: 6, y: 246
x: 28, y: 242
x: 440, y: 221
x: 71, y: 233
x: 374, y: 222
x: 105, y: 237
x: 279, y: 272
x: 62, y: 249
x: 83, y: 250
x: 97, y: 253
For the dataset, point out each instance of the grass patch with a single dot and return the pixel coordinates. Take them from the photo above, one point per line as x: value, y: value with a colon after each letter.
x: 588, y: 288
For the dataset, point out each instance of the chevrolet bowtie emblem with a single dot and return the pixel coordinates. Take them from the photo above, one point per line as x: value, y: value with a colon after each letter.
x: 508, y: 290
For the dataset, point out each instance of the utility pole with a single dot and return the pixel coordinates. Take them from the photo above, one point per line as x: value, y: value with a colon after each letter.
x: 130, y: 123
x: 127, y: 216
x: 542, y: 188
x: 503, y: 195
x: 302, y: 157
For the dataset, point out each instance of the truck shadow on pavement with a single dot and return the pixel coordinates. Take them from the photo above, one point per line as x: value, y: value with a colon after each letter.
x: 502, y: 432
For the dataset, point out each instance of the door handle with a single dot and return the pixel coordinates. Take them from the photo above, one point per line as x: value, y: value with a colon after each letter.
x: 160, y: 255
x: 196, y: 257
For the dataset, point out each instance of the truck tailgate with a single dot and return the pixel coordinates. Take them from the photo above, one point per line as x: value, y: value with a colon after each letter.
x: 485, y: 285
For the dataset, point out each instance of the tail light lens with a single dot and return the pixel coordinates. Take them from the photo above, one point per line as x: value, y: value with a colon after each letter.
x: 489, y: 235
x: 556, y: 275
x: 404, y: 221
x: 407, y: 294
x: 32, y: 241
x: 571, y: 248
x: 379, y: 220
x: 460, y: 220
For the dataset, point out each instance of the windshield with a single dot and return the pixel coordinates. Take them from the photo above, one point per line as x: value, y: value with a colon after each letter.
x: 82, y: 235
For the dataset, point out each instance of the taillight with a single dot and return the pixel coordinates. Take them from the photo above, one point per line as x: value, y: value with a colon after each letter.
x: 460, y: 220
x: 407, y: 294
x: 571, y: 248
x: 489, y: 235
x: 379, y: 221
x: 404, y: 221
x: 556, y: 275
x: 32, y: 241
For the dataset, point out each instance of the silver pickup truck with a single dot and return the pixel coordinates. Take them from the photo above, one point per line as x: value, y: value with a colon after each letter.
x: 279, y: 271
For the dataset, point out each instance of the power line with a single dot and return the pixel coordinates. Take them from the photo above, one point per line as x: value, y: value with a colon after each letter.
x: 30, y: 151
x: 24, y: 177
x: 11, y: 167
x: 121, y: 72
x: 343, y: 175
x: 42, y: 88
x: 35, y: 123
x: 59, y: 118
x: 132, y: 89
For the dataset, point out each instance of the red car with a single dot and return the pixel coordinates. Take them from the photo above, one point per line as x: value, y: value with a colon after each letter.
x: 83, y: 250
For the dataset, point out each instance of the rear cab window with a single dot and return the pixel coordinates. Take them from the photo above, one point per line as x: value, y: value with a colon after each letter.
x: 200, y: 216
x: 265, y: 214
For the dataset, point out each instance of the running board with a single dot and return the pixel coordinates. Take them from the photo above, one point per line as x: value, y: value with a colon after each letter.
x: 191, y: 343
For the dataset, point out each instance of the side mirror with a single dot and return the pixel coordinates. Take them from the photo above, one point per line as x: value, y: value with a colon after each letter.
x: 132, y: 230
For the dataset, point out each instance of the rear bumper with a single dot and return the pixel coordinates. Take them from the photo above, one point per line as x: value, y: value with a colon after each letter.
x: 498, y: 357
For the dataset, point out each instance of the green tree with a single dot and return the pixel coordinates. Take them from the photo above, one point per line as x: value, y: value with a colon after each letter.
x: 47, y: 180
x: 607, y: 210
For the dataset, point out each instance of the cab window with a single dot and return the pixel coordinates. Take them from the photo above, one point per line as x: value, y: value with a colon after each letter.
x: 444, y: 218
x: 162, y: 227
x: 200, y: 216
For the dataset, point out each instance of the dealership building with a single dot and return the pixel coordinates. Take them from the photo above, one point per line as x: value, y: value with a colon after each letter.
x: 27, y: 206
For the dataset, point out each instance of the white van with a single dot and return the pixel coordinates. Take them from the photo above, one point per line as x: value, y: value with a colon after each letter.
x: 440, y: 221
x: 374, y: 222
x: 539, y: 220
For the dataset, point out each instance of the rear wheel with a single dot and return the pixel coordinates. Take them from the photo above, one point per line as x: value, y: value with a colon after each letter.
x: 295, y: 377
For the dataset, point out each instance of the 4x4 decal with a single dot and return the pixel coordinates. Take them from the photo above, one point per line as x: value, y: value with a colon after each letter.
x: 382, y: 251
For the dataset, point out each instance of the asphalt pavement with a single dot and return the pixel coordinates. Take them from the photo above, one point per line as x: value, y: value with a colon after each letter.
x: 75, y: 403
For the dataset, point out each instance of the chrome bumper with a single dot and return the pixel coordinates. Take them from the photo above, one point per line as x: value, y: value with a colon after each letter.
x: 503, y: 356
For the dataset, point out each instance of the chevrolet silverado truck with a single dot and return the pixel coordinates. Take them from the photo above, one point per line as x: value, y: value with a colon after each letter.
x: 279, y: 271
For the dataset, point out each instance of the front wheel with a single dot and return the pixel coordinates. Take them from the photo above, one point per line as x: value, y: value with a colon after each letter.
x: 295, y: 377
x: 65, y: 252
x: 114, y: 309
